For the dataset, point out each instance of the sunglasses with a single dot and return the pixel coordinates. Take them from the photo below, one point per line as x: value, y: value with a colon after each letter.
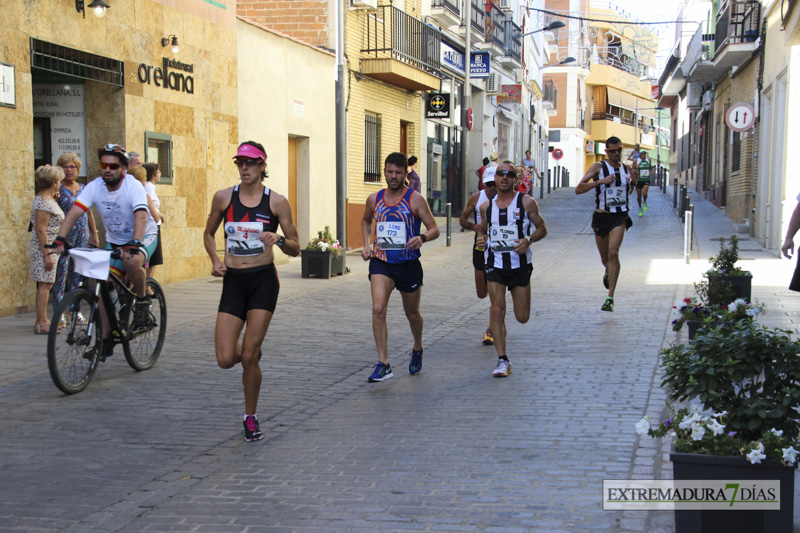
x: 112, y: 166
x: 509, y: 173
x: 614, y: 151
x: 248, y: 162
x: 490, y: 184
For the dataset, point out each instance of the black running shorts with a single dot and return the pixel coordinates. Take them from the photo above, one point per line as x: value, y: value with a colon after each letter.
x: 514, y: 277
x: 244, y: 289
x: 407, y: 276
x: 603, y: 223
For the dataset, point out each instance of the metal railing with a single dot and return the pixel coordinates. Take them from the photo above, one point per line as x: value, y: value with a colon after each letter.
x: 453, y: 6
x: 737, y: 22
x: 550, y: 92
x: 514, y: 40
x: 393, y: 33
x: 498, y: 36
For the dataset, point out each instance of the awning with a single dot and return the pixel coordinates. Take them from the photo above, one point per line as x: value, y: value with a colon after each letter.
x: 631, y: 102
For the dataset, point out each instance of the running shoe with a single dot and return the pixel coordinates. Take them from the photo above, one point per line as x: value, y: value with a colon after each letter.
x: 640, y: 212
x: 488, y: 339
x: 609, y: 305
x: 141, y: 313
x: 645, y: 206
x: 503, y: 369
x: 416, y: 362
x: 81, y: 318
x: 251, y: 429
x: 381, y: 372
x: 605, y: 279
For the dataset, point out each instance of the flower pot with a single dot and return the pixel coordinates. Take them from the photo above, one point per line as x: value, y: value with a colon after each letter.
x: 318, y: 264
x: 741, y: 284
x: 691, y: 466
x: 696, y: 325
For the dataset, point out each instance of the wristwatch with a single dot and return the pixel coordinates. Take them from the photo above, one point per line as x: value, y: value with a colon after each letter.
x: 281, y: 241
x: 136, y: 243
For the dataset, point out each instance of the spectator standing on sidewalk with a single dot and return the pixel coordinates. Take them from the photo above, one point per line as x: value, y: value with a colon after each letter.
x: 507, y: 220
x: 413, y: 178
x: 480, y: 171
x: 612, y: 183
x: 251, y: 214
x: 788, y: 245
x: 472, y: 209
x: 393, y: 258
x: 153, y: 176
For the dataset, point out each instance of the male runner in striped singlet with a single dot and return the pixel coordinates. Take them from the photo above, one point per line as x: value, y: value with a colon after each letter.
x: 612, y: 182
x: 506, y: 223
x: 393, y: 258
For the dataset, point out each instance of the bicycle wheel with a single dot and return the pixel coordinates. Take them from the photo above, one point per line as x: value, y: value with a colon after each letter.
x: 143, y: 347
x: 73, y: 355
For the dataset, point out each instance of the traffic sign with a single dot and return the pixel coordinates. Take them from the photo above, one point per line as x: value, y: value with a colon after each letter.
x: 740, y: 117
x: 558, y: 154
x: 469, y: 119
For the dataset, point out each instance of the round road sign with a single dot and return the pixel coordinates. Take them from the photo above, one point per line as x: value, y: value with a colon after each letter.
x: 558, y: 154
x: 469, y: 119
x: 740, y: 117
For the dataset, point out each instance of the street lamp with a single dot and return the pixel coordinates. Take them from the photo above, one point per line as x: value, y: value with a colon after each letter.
x: 552, y: 26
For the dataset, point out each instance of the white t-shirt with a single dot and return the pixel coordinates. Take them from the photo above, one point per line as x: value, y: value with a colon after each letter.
x: 150, y: 189
x: 116, y: 208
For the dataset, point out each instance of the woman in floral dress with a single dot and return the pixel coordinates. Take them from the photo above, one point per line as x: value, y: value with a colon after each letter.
x: 82, y: 233
x: 46, y: 219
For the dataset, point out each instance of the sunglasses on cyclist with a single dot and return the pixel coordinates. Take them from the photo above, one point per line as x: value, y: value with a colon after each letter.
x: 509, y: 173
x: 112, y: 166
x: 247, y: 161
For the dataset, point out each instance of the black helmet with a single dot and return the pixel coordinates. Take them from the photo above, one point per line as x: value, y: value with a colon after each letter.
x: 116, y: 150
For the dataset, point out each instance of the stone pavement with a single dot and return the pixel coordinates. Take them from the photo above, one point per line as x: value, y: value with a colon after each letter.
x: 451, y: 449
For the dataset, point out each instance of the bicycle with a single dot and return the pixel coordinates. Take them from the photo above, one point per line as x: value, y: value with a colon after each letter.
x: 73, y: 354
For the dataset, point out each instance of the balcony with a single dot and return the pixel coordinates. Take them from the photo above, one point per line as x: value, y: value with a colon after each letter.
x: 737, y: 30
x: 478, y: 18
x: 699, y: 61
x: 447, y: 12
x: 495, y: 35
x: 513, y: 47
x: 401, y: 50
x: 550, y: 96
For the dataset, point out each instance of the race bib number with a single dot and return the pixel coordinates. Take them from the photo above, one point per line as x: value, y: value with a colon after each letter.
x: 391, y: 235
x: 243, y: 238
x: 503, y: 238
x: 615, y: 196
x: 644, y: 173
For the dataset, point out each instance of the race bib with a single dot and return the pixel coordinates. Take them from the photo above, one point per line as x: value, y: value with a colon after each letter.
x: 615, y: 197
x: 644, y: 173
x: 391, y: 235
x: 503, y: 238
x: 242, y: 238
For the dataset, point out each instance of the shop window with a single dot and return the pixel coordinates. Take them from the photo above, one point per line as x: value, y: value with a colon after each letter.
x: 736, y: 154
x: 158, y: 149
x: 372, y: 148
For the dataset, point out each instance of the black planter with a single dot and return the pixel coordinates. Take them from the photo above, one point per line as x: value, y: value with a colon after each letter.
x: 690, y: 466
x: 317, y: 264
x: 741, y: 284
x: 696, y: 325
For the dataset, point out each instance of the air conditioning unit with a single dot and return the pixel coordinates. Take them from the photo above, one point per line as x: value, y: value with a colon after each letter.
x: 693, y: 96
x: 506, y: 5
x: 708, y: 98
x: 364, y: 4
x: 493, y: 83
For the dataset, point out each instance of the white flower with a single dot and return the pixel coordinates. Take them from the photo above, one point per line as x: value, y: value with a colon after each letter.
x: 643, y: 426
x: 676, y: 313
x: 776, y: 432
x: 753, y: 311
x: 698, y: 431
x: 323, y: 246
x: 757, y: 454
x: 733, y: 307
x: 740, y: 301
x: 717, y: 415
x: 716, y: 427
x: 691, y: 422
x: 789, y: 455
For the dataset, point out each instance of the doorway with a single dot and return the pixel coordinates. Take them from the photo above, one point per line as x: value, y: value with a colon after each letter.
x: 404, y: 138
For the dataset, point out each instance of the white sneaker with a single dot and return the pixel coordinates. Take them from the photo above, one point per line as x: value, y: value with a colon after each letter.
x: 81, y: 318
x: 503, y: 369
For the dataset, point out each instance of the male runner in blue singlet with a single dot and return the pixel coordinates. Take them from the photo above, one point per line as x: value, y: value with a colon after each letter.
x: 397, y: 212
x: 251, y: 214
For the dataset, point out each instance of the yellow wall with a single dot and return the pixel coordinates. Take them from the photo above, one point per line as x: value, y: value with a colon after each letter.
x: 203, y: 125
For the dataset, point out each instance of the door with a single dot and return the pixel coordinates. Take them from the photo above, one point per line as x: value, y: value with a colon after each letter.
x: 291, y: 194
x: 42, y: 153
x: 404, y: 138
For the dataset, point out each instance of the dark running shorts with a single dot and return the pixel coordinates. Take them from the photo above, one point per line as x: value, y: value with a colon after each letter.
x: 515, y: 277
x: 407, y: 276
x: 795, y: 284
x: 603, y: 223
x: 640, y: 184
x: 244, y: 289
x: 478, y: 259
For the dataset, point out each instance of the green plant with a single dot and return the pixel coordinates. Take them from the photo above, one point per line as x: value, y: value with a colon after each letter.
x: 324, y: 242
x: 714, y: 289
x: 725, y: 261
x: 692, y: 309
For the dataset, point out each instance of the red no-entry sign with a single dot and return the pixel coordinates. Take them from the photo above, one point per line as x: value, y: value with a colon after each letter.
x: 558, y: 154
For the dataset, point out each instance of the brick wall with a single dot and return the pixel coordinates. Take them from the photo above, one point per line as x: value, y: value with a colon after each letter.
x: 306, y: 20
x: 743, y: 87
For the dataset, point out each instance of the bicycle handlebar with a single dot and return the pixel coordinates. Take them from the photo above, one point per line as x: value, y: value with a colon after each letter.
x: 115, y: 254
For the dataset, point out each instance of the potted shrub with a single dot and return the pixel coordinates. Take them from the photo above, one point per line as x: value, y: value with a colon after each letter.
x: 725, y: 281
x: 744, y: 380
x: 323, y: 257
x: 696, y: 315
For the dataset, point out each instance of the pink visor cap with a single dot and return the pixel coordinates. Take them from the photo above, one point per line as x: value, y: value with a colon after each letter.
x: 248, y: 150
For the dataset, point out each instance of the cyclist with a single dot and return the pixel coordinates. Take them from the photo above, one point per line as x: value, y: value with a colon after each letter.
x: 121, y: 202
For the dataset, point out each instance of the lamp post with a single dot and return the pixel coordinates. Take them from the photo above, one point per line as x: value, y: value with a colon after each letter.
x: 552, y: 26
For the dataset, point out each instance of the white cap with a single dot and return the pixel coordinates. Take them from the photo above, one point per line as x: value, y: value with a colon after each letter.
x: 488, y: 175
